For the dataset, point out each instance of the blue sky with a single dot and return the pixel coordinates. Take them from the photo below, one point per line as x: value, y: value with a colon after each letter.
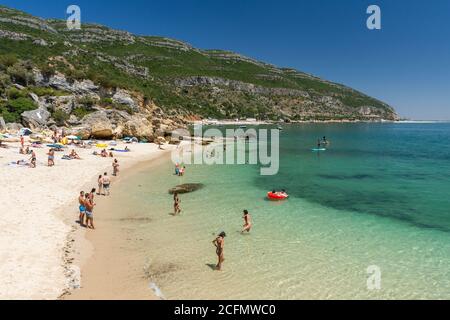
x: 406, y: 63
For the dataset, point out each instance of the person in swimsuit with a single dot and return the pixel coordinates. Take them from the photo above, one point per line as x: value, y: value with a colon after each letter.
x: 22, y: 141
x: 100, y: 184
x: 51, y: 157
x: 219, y: 243
x: 89, y: 205
x: 106, y: 183
x: 91, y: 195
x: 115, y: 166
x: 247, y: 222
x: 82, y: 208
x: 74, y: 155
x: 33, y: 159
x: 176, y: 203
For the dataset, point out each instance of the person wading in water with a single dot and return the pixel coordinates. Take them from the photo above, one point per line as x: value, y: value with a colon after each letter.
x: 219, y: 243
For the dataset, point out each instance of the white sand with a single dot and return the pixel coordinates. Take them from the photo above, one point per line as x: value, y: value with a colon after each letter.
x: 33, y: 230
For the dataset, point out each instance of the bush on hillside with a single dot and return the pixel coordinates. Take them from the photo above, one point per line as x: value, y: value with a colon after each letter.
x: 12, y: 110
x: 20, y: 74
x: 60, y: 117
x: 7, y: 60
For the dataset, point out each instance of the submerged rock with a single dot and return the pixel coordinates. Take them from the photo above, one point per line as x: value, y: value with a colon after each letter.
x: 186, y: 188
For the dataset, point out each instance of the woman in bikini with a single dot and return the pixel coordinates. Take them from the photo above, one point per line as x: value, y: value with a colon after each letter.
x: 219, y: 243
x: 115, y: 166
x: 100, y: 184
x: 247, y: 222
x: 176, y: 203
x: 51, y: 157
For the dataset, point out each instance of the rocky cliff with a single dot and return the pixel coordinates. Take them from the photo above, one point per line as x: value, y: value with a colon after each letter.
x: 112, y: 83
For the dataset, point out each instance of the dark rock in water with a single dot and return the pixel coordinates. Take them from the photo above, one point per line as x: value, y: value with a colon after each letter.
x: 186, y: 188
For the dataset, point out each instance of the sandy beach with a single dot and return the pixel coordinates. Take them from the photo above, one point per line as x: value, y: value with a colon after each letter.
x: 113, y: 269
x: 39, y: 213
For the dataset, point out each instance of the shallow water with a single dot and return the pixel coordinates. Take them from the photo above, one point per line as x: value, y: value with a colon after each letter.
x: 378, y: 196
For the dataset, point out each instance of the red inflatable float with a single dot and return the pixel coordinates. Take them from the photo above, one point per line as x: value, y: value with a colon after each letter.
x: 277, y: 195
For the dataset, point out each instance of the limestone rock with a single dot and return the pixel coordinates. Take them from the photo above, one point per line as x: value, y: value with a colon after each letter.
x: 123, y: 97
x: 64, y: 103
x: 35, y: 118
x: 34, y: 97
x: 13, y: 127
x: 138, y: 127
x: 99, y: 124
x: 82, y: 132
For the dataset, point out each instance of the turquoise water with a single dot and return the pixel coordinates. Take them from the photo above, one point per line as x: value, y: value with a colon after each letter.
x: 378, y: 196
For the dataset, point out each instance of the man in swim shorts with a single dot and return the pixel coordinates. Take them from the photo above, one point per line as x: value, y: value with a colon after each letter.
x: 247, y: 222
x: 106, y: 183
x: 82, y: 208
x: 219, y: 243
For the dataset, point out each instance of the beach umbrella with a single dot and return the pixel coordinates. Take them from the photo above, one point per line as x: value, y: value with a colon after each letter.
x: 25, y: 132
x: 73, y: 138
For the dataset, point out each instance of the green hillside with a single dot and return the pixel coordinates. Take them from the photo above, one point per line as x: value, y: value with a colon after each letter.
x: 176, y: 76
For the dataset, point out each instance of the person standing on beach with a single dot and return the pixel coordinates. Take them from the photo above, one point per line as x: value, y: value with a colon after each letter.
x: 82, y: 207
x: 89, y: 204
x: 106, y: 183
x: 91, y: 195
x: 51, y: 157
x: 22, y: 141
x: 115, y: 166
x: 219, y: 243
x: 176, y: 203
x: 100, y: 184
x: 247, y: 222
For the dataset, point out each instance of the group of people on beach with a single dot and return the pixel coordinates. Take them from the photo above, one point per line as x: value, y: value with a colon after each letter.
x: 179, y: 170
x: 25, y: 150
x: 219, y: 241
x: 86, y: 207
x: 86, y: 199
x: 103, y: 154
